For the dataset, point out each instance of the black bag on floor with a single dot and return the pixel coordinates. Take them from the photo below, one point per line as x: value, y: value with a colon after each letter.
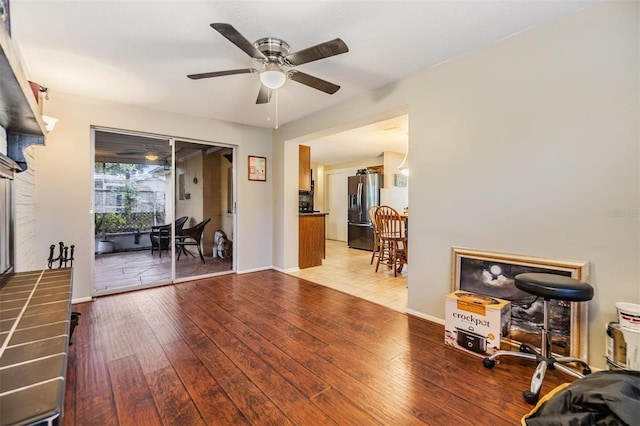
x: 601, y: 398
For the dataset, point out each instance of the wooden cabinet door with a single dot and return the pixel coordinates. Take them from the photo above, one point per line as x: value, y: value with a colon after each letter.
x: 304, y: 168
x: 311, y: 244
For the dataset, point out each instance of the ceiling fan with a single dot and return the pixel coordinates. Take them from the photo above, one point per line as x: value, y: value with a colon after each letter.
x: 276, y: 63
x: 130, y: 152
x: 148, y: 154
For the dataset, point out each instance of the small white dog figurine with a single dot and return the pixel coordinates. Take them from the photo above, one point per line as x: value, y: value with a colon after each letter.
x: 221, y: 245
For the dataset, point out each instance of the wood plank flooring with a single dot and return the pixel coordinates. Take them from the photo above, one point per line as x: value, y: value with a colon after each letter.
x: 271, y: 349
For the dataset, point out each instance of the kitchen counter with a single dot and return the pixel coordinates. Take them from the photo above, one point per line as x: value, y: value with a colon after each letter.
x: 311, y: 236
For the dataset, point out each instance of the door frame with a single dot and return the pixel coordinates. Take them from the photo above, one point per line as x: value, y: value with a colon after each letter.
x: 170, y: 199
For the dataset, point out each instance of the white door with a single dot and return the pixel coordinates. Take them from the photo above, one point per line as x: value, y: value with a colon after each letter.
x: 336, y: 194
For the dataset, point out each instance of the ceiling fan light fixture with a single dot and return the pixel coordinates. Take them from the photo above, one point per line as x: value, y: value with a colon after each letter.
x: 273, y: 78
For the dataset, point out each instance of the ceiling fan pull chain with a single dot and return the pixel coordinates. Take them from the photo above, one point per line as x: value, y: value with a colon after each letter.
x: 276, y: 108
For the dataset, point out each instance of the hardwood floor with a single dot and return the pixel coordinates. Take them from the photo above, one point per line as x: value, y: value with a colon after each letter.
x: 270, y: 348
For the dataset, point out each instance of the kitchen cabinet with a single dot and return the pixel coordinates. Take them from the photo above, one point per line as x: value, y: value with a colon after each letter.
x: 304, y: 168
x: 311, y: 239
x: 19, y: 112
x: 378, y: 169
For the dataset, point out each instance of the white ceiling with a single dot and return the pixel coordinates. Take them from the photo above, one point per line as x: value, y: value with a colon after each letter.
x: 362, y: 143
x: 139, y: 52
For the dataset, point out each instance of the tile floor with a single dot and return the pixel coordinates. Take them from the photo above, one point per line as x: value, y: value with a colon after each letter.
x: 115, y: 271
x: 349, y: 270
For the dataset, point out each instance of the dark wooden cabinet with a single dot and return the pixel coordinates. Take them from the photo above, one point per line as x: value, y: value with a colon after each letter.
x: 304, y: 168
x: 311, y: 234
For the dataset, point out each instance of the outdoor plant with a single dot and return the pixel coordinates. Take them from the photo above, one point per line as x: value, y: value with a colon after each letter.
x: 108, y: 223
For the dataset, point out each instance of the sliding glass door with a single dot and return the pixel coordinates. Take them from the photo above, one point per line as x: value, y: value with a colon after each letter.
x: 163, y: 210
x: 204, y: 195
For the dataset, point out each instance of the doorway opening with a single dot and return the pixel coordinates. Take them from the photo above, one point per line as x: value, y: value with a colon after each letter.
x: 163, y: 210
x: 374, y: 145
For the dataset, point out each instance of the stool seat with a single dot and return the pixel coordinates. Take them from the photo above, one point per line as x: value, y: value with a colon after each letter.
x: 554, y: 287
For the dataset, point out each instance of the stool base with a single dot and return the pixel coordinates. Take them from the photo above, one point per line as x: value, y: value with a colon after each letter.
x: 544, y: 362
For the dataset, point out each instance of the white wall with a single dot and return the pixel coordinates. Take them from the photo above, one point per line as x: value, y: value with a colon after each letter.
x: 529, y: 146
x: 26, y: 215
x: 24, y: 210
x: 63, y: 178
x: 391, y: 195
x: 194, y: 206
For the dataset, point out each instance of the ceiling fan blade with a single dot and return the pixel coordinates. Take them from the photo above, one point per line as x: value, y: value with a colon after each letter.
x: 264, y: 95
x: 238, y: 39
x: 131, y: 153
x: 314, y: 82
x: 319, y: 51
x: 221, y: 73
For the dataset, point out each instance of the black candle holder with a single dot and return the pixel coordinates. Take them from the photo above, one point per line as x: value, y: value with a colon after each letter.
x: 65, y: 257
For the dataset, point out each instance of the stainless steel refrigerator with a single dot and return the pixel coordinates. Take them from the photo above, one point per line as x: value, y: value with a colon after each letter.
x: 364, y: 192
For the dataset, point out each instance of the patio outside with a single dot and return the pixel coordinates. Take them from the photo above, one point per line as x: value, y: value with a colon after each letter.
x: 129, y: 200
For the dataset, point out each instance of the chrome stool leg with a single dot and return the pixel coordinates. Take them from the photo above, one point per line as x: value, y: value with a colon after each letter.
x: 543, y: 357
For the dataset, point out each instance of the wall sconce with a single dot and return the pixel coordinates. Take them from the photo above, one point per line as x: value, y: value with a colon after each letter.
x: 166, y: 166
x: 49, y: 122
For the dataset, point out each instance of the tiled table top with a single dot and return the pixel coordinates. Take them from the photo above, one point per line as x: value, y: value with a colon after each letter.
x: 34, y: 338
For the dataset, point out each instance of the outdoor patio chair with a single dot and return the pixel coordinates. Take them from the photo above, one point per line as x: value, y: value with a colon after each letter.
x: 191, y: 237
x: 161, y: 235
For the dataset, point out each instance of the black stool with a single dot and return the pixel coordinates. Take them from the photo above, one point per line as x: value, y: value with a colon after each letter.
x: 549, y: 287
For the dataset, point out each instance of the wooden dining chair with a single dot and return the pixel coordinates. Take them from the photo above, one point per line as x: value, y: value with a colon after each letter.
x: 376, y: 236
x: 393, y: 239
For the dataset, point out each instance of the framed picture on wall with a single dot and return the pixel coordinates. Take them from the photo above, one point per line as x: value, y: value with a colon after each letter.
x: 399, y: 180
x: 257, y: 168
x: 493, y: 274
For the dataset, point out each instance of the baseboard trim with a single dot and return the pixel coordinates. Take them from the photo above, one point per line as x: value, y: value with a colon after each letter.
x: 81, y: 300
x: 248, y: 271
x: 425, y: 316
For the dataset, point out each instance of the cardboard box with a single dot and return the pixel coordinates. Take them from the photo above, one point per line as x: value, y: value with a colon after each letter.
x: 476, y: 323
